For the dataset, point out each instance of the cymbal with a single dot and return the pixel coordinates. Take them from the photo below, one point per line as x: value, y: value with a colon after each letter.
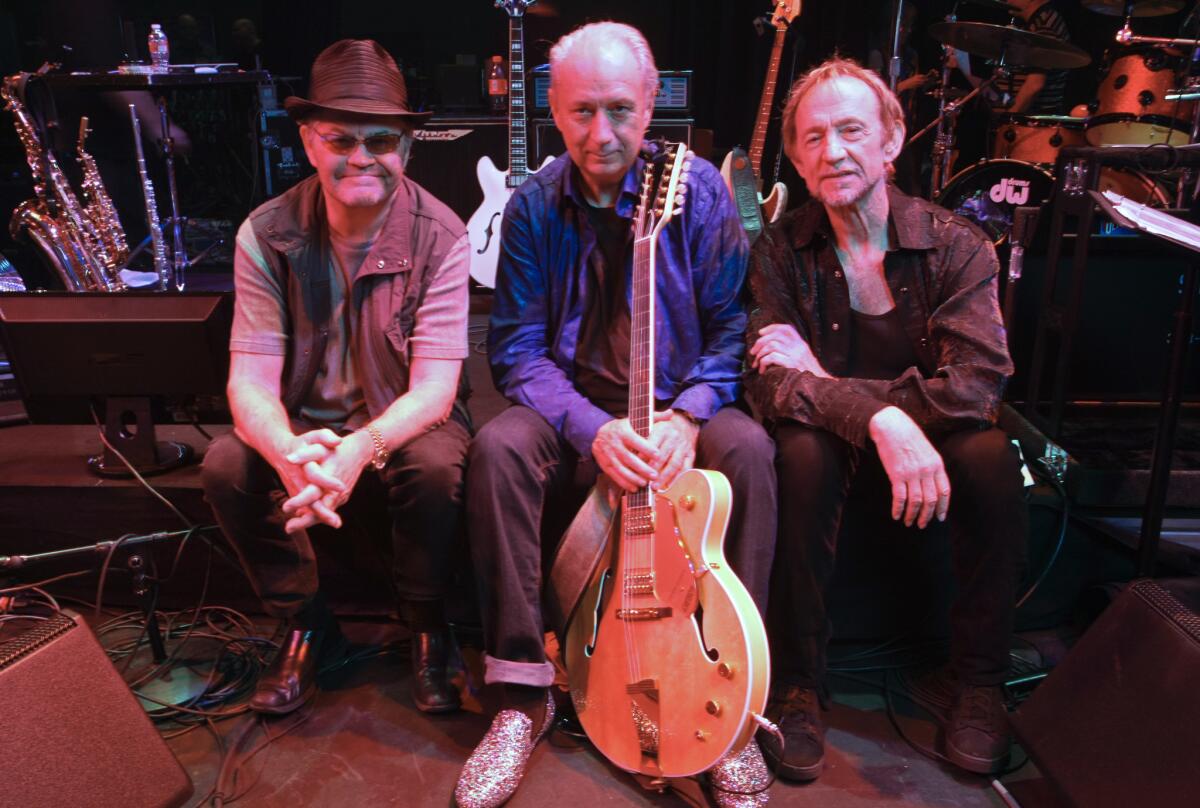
x: 1141, y: 8
x: 1018, y: 47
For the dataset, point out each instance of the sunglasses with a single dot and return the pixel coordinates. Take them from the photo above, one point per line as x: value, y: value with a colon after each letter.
x: 376, y: 144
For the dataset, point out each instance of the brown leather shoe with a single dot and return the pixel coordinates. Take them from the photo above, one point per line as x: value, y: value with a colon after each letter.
x: 797, y: 711
x: 977, y: 730
x: 431, y: 688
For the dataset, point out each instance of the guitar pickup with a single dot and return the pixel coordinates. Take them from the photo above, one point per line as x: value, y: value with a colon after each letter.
x: 647, y: 613
x: 639, y: 584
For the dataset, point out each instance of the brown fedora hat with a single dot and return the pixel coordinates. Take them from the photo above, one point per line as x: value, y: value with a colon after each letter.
x: 356, y: 76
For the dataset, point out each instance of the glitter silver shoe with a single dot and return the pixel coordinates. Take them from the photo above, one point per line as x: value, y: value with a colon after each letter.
x: 741, y: 780
x: 494, y: 770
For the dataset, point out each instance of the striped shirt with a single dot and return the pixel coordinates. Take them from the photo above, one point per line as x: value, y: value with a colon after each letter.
x: 1049, y: 101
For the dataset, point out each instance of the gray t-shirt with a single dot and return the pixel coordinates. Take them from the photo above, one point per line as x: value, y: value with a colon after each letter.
x: 260, y: 323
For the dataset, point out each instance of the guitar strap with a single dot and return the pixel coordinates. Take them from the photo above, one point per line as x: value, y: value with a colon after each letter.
x: 577, y: 557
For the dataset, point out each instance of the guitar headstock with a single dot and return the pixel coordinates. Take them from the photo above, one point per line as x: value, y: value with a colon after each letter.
x: 514, y: 8
x: 664, y: 188
x: 786, y: 12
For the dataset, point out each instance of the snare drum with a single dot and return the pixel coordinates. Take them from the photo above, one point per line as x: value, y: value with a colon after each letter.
x: 1035, y: 138
x: 1130, y: 107
x: 989, y: 192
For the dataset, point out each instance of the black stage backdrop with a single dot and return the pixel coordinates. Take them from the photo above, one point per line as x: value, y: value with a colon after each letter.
x: 716, y: 39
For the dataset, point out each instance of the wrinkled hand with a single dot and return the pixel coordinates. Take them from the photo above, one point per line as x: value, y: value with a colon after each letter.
x: 781, y: 345
x: 626, y: 457
x: 330, y: 474
x: 674, y: 436
x: 312, y: 446
x: 920, y: 487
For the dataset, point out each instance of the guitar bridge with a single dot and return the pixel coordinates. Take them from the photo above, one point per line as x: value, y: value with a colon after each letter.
x: 646, y: 613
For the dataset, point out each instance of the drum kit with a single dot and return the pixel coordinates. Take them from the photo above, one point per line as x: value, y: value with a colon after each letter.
x: 1147, y: 96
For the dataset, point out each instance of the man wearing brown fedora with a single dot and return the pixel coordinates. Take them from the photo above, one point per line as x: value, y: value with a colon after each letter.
x: 350, y: 329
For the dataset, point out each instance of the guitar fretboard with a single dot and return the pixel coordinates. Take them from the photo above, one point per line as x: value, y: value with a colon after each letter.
x: 759, y: 140
x: 638, y: 510
x: 518, y: 154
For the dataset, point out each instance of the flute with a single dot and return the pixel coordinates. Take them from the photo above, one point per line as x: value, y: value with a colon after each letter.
x: 161, y: 267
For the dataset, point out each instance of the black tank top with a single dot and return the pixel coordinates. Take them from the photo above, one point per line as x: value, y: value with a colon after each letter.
x: 879, y: 346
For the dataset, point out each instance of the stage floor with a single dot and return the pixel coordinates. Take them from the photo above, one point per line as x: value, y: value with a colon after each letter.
x: 362, y: 742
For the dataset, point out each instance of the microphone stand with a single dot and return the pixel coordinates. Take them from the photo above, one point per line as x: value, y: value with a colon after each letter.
x: 894, y: 63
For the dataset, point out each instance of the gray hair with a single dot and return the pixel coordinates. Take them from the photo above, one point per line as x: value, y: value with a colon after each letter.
x: 609, y: 35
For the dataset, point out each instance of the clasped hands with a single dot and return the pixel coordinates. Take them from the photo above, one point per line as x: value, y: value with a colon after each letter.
x: 920, y: 487
x: 632, y: 461
x: 319, y: 469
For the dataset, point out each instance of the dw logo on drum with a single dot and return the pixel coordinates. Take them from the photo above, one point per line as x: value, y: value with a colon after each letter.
x: 1010, y: 190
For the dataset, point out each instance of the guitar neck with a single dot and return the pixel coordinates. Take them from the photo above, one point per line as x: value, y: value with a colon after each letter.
x: 641, y: 356
x: 518, y: 154
x: 759, y: 140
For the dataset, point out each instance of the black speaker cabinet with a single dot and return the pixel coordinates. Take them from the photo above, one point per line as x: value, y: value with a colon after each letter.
x: 73, y: 734
x: 445, y: 155
x: 549, y: 143
x: 1117, y: 723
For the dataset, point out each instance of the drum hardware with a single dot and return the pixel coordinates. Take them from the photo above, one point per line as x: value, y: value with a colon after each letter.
x: 1133, y: 8
x: 943, y: 141
x: 1025, y: 222
x: 1126, y: 36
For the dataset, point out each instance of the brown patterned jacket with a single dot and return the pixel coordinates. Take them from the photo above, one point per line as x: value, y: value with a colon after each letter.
x: 942, y: 273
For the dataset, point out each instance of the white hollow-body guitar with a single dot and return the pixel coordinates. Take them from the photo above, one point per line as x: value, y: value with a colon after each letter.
x: 483, y: 228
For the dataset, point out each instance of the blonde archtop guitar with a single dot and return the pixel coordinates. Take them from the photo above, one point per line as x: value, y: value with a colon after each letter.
x: 666, y: 653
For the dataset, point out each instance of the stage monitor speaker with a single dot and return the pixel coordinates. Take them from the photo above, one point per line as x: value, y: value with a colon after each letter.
x: 445, y: 155
x: 73, y: 734
x: 549, y: 143
x: 1117, y: 723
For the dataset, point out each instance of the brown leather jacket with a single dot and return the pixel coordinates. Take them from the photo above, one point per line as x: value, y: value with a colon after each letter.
x: 942, y: 274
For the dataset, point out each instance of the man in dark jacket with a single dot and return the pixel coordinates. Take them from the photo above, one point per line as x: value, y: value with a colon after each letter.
x: 876, y: 338
x: 348, y: 340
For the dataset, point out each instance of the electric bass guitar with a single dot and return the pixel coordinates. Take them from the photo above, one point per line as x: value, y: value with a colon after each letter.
x: 666, y: 653
x: 483, y: 228
x: 746, y: 186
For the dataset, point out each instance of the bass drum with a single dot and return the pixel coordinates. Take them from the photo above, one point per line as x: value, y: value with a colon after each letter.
x: 989, y: 192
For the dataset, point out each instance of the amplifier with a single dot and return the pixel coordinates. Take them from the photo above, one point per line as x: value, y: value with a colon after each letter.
x: 73, y: 732
x: 547, y: 142
x: 1117, y: 723
x: 445, y: 154
x: 674, y: 92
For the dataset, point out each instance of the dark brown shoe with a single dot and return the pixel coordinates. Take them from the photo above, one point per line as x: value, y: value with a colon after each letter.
x: 291, y: 678
x: 977, y: 730
x: 431, y: 688
x: 797, y: 711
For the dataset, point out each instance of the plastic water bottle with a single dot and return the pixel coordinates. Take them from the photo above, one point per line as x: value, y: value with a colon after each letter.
x: 497, y: 85
x: 160, y: 49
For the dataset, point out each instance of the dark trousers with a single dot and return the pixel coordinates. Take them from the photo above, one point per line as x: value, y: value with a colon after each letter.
x: 423, y: 486
x: 522, y: 471
x: 988, y: 523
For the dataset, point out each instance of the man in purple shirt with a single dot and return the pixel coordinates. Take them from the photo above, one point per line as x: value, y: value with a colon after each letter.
x: 559, y: 350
